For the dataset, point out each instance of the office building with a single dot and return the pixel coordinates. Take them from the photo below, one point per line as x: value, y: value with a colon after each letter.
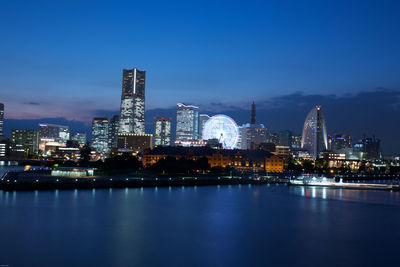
x: 285, y: 138
x: 314, y: 138
x: 132, y: 116
x: 113, y: 128
x: 162, y: 131
x: 368, y: 147
x: 24, y: 139
x: 51, y: 136
x: 80, y: 138
x: 100, y: 135
x: 187, y: 122
x: 203, y: 118
x: 1, y: 119
x: 340, y: 141
x: 133, y: 143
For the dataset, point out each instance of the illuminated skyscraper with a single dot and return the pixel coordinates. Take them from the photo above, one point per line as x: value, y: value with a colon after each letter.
x: 1, y: 119
x: 187, y: 122
x: 24, y: 138
x: 113, y: 127
x: 252, y: 132
x: 132, y: 102
x: 100, y: 135
x: 162, y: 131
x: 314, y: 138
x: 203, y: 118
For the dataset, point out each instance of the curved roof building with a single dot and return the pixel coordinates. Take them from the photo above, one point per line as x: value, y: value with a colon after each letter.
x: 314, y: 138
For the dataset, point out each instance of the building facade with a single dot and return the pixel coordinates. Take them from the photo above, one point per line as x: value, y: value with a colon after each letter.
x: 24, y: 138
x: 187, y: 122
x: 132, y: 112
x: 51, y: 136
x: 113, y: 128
x: 133, y: 143
x: 100, y: 135
x: 314, y: 137
x: 162, y: 131
x: 203, y: 118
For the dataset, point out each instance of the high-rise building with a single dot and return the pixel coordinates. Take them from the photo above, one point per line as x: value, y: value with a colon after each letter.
x: 251, y: 132
x: 285, y: 138
x: 314, y: 138
x: 162, y: 131
x: 273, y: 138
x: 187, y: 122
x: 23, y: 138
x: 52, y: 135
x: 369, y: 147
x: 133, y: 143
x: 132, y: 102
x: 100, y: 135
x: 203, y: 118
x: 1, y: 119
x: 80, y: 138
x: 113, y: 128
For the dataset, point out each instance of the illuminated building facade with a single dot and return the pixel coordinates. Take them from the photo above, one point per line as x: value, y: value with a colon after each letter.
x: 251, y: 132
x: 52, y: 135
x: 1, y: 119
x: 162, y: 131
x: 369, y: 147
x: 133, y: 143
x: 100, y: 135
x: 187, y: 122
x: 203, y: 118
x: 80, y: 138
x: 340, y: 141
x: 113, y: 128
x: 314, y: 138
x: 132, y: 116
x: 25, y: 139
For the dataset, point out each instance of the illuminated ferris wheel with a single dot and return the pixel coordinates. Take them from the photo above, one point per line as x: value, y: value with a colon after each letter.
x: 224, y: 129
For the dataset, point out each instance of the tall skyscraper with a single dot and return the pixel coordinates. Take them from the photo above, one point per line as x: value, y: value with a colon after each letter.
x: 100, y: 135
x: 202, y: 120
x: 1, y: 119
x: 162, y: 131
x: 113, y: 128
x: 187, y: 122
x: 133, y: 102
x: 314, y: 138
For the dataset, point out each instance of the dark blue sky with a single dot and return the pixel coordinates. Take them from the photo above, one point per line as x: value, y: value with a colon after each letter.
x: 65, y: 58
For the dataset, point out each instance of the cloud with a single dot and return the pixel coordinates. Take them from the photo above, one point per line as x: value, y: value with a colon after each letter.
x: 32, y: 103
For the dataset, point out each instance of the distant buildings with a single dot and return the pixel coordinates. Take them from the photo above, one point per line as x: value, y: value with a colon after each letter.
x: 133, y: 143
x: 162, y: 131
x: 314, y: 138
x: 340, y: 141
x: 80, y: 138
x: 132, y: 117
x: 113, y: 128
x: 100, y: 135
x: 251, y: 132
x: 370, y: 147
x: 51, y: 136
x: 187, y: 123
x: 203, y: 118
x: 1, y: 119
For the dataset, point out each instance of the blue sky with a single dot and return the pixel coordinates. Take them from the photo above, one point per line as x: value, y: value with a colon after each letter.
x: 65, y: 58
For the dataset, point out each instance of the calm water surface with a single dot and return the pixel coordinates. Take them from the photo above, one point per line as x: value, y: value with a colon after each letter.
x: 200, y: 226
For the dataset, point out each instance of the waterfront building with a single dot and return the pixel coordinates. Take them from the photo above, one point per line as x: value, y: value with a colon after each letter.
x: 187, y: 122
x: 80, y: 138
x: 203, y: 118
x: 133, y: 143
x: 24, y: 139
x: 162, y: 131
x: 1, y: 119
x: 240, y: 160
x: 132, y: 116
x: 113, y: 128
x: 314, y: 137
x: 4, y: 147
x: 52, y: 136
x: 100, y: 135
